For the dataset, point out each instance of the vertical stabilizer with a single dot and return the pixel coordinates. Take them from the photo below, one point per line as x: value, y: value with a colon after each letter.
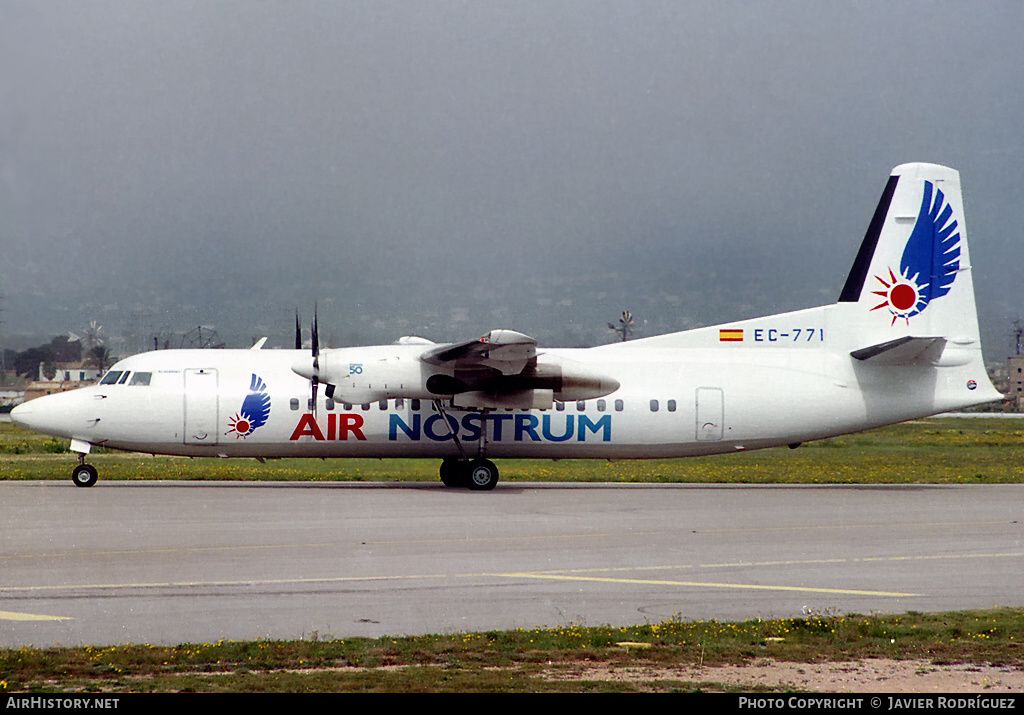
x: 909, y: 298
x: 912, y: 275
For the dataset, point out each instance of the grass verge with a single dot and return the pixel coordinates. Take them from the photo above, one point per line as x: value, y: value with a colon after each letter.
x: 537, y: 660
x: 932, y: 451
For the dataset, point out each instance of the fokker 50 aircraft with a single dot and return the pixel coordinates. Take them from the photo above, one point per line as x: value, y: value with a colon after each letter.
x: 901, y: 342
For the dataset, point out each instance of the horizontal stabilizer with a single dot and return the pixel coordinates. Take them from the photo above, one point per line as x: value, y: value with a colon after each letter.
x: 903, y: 351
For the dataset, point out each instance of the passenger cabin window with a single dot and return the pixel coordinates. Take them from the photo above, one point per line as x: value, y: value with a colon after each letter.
x: 560, y: 406
x: 654, y: 405
x: 580, y: 405
x: 619, y: 405
x: 383, y: 404
x: 294, y: 404
x: 671, y: 405
x: 414, y: 404
x: 601, y: 404
x: 330, y: 404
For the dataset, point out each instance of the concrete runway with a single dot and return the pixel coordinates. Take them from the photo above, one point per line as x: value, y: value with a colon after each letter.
x: 170, y: 562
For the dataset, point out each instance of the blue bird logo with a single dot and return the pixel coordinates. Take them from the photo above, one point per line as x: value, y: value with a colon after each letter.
x: 255, y: 410
x: 930, y: 259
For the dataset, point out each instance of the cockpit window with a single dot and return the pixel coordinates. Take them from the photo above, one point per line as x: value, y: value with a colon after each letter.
x: 121, y: 377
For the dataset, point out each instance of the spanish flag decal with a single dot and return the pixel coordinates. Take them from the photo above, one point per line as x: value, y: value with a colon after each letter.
x: 730, y: 336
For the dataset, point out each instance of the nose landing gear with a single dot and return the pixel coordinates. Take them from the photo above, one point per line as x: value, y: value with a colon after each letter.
x: 84, y: 475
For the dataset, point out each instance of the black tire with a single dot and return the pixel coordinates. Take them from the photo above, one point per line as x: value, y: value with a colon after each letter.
x: 483, y: 475
x: 84, y: 475
x: 453, y: 473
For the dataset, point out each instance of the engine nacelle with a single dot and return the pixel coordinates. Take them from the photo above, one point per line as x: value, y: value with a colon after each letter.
x: 361, y: 375
x: 369, y: 374
x: 540, y: 383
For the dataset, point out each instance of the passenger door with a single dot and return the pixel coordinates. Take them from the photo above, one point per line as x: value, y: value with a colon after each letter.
x: 202, y: 420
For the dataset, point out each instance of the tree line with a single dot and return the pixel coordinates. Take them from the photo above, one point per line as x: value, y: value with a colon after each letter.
x: 59, y: 350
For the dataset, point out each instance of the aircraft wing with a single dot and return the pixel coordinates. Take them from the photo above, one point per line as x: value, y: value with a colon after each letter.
x: 503, y: 350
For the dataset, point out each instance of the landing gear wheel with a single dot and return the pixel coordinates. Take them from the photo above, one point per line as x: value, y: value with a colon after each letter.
x: 453, y: 473
x: 84, y: 475
x: 483, y: 475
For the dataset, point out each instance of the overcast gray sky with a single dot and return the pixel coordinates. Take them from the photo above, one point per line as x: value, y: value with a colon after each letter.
x: 443, y: 168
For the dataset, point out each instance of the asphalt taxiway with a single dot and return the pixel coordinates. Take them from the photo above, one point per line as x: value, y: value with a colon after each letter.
x: 173, y: 562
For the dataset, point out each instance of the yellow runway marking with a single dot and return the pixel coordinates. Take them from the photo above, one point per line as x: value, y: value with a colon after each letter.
x: 208, y: 584
x: 563, y: 574
x: 834, y: 527
x: 709, y: 584
x: 10, y: 616
x: 788, y: 562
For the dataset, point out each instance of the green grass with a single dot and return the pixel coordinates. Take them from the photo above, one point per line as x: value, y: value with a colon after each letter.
x: 535, y: 660
x: 933, y: 451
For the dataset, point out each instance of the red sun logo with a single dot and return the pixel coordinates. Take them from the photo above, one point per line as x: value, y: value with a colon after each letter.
x: 239, y: 426
x: 900, y: 296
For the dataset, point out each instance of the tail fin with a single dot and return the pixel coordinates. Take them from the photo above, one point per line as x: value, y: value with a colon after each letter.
x: 909, y: 298
x: 912, y: 275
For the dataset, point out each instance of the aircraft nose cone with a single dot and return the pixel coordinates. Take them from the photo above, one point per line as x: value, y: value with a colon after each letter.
x: 22, y: 415
x: 63, y: 414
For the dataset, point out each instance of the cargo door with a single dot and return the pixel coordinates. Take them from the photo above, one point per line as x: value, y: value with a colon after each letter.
x: 710, y: 414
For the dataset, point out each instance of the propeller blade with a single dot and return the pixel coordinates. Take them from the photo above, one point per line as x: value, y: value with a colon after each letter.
x: 316, y: 343
x: 316, y: 356
x: 303, y: 368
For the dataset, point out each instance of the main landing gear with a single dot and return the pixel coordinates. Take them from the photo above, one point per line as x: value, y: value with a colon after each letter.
x: 84, y: 475
x: 477, y: 474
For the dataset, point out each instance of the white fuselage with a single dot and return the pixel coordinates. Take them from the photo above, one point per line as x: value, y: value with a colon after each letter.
x: 778, y: 387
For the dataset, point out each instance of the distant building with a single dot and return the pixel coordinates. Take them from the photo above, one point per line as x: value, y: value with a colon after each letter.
x: 1015, y: 379
x: 66, y: 376
x: 71, y: 372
